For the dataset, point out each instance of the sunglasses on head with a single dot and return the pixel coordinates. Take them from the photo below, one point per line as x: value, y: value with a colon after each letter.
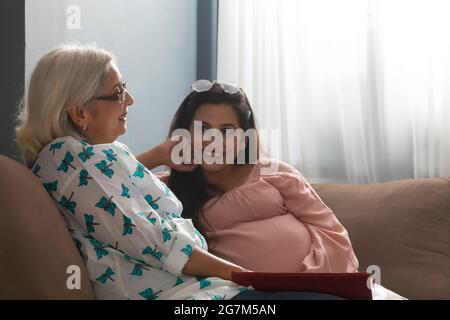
x: 206, y: 85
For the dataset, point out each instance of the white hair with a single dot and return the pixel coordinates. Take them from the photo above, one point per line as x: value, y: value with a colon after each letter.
x: 67, y: 76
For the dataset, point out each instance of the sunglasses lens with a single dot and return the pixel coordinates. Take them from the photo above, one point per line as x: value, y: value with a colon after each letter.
x: 202, y: 85
x: 231, y: 88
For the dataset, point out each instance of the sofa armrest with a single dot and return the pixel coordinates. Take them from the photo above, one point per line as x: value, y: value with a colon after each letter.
x: 35, y: 245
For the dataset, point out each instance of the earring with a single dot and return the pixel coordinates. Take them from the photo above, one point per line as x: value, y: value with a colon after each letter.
x: 84, y: 127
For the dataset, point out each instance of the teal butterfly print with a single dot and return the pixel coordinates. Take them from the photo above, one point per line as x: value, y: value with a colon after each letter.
x: 99, y: 247
x: 36, y: 169
x: 217, y: 297
x: 127, y: 257
x: 137, y: 270
x: 187, y: 250
x: 84, y: 142
x: 66, y: 162
x: 104, y: 168
x: 84, y: 176
x: 90, y: 223
x: 107, y: 275
x: 110, y: 155
x: 55, y: 146
x: 203, y: 283
x: 107, y: 204
x: 179, y: 281
x: 166, y: 234
x: 51, y: 186
x: 86, y: 154
x: 167, y: 215
x: 152, y: 202
x: 68, y: 204
x: 140, y: 171
x: 154, y: 252
x: 149, y: 295
x: 143, y: 215
x: 100, y: 252
x: 125, y: 191
x: 127, y: 226
x: 174, y: 215
x: 243, y: 289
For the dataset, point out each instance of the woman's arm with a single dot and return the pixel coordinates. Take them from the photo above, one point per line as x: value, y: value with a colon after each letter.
x: 204, y: 264
x: 331, y: 249
x: 161, y: 156
x: 152, y: 158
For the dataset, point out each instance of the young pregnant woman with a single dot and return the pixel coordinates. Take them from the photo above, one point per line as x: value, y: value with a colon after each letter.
x: 273, y: 222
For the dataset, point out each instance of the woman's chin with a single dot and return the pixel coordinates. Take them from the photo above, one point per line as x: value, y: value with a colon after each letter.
x: 214, y: 167
x: 123, y: 126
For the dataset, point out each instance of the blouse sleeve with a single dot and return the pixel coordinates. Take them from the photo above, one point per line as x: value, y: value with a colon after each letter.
x: 331, y: 249
x: 163, y: 176
x: 90, y: 189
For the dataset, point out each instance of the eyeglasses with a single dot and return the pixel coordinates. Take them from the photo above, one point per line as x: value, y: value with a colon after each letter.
x: 119, y: 96
x: 206, y: 85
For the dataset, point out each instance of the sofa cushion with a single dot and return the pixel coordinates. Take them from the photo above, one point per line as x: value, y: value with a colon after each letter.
x: 35, y: 246
x: 401, y: 226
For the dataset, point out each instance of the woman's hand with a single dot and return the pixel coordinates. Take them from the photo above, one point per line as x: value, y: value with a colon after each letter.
x: 165, y: 150
x: 161, y: 155
x: 204, y: 264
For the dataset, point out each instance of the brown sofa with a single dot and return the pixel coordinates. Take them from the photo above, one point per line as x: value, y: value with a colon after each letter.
x: 401, y: 226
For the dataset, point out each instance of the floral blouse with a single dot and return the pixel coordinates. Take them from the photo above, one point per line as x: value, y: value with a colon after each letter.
x: 125, y: 222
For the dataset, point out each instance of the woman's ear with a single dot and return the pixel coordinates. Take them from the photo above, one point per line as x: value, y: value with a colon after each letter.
x: 77, y: 115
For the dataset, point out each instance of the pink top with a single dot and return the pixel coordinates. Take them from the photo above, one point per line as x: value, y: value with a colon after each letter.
x: 277, y: 223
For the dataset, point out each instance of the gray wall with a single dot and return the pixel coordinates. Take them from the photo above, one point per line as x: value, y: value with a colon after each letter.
x: 155, y: 42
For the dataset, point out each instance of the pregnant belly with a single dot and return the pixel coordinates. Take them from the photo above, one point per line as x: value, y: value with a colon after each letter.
x: 278, y: 244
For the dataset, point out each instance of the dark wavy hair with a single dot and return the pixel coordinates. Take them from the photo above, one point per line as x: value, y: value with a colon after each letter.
x: 191, y: 188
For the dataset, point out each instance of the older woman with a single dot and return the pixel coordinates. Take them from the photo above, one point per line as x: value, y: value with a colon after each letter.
x: 126, y: 223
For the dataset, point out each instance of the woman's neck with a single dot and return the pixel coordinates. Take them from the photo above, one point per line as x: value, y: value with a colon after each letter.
x: 229, y: 178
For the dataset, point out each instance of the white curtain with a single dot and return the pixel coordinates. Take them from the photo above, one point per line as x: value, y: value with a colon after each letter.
x: 354, y: 91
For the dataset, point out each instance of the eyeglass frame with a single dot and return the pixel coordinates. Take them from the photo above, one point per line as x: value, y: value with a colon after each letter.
x: 114, y: 97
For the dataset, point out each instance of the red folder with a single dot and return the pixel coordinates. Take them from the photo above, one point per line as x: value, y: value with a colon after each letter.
x: 345, y: 285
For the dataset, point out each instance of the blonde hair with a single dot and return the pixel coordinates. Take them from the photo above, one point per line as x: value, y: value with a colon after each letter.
x: 67, y: 76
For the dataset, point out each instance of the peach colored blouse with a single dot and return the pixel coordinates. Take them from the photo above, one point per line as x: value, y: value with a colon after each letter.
x: 275, y: 222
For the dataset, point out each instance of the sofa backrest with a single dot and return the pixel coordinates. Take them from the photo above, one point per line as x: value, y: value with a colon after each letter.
x: 401, y: 226
x: 35, y: 247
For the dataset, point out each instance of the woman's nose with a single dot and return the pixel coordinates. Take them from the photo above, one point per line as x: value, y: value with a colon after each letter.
x: 129, y: 100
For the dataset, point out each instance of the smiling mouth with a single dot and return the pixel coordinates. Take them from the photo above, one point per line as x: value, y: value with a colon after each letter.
x: 124, y: 116
x: 213, y: 154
